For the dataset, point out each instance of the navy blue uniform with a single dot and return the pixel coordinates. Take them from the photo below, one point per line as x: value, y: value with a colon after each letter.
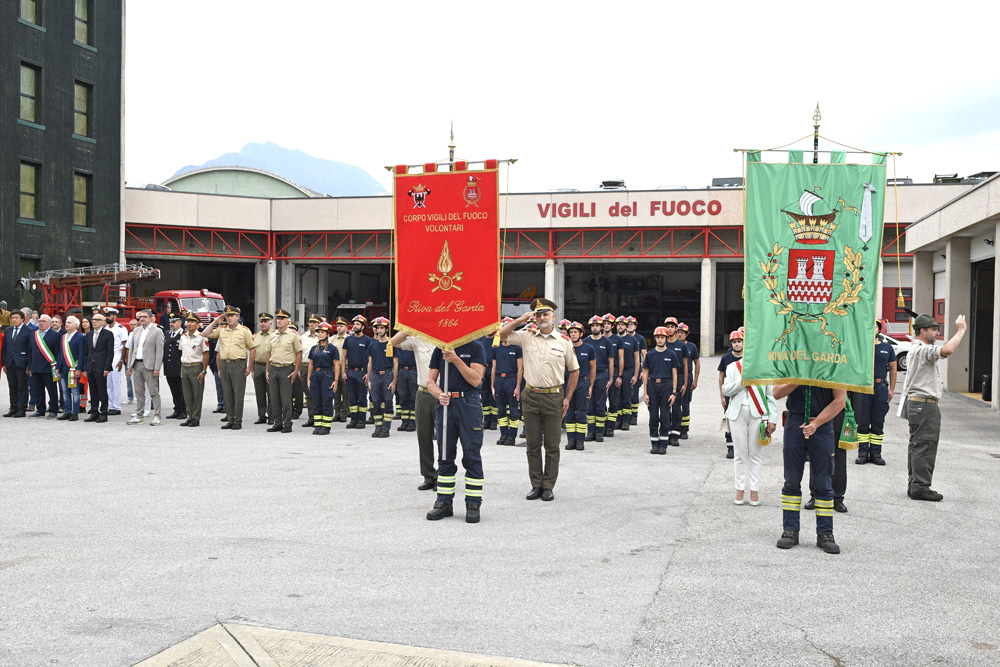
x: 727, y: 359
x: 406, y: 389
x: 508, y: 409
x: 356, y: 358
x: 381, y: 378
x: 680, y: 349
x: 693, y: 355
x: 640, y: 344
x: 321, y: 383
x: 465, y: 421
x: 576, y: 416
x: 820, y: 450
x: 486, y: 389
x: 660, y: 366
x: 870, y: 409
x: 625, y: 393
x: 615, y: 392
x: 598, y: 409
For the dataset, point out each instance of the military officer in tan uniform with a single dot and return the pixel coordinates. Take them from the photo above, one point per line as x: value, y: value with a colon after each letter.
x: 262, y: 339
x: 545, y: 398
x: 236, y: 356
x: 283, y: 362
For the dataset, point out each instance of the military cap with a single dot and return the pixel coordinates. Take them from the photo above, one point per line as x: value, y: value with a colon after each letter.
x: 3, y: 304
x: 683, y: 327
x: 293, y: 326
x: 315, y: 318
x: 281, y: 312
x: 192, y: 318
x: 232, y: 310
x: 174, y: 317
x: 924, y: 322
x: 661, y: 331
x: 265, y: 317
x: 109, y: 309
x: 540, y: 305
x: 670, y: 320
x: 359, y: 318
x: 576, y: 325
x: 342, y: 320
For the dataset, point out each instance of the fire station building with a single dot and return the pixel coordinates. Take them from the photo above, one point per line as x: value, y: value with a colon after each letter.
x: 651, y: 254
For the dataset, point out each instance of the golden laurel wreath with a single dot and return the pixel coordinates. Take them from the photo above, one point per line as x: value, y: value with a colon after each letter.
x: 853, y: 282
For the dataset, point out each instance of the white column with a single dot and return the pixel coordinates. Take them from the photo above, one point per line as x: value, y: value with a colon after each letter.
x: 322, y: 281
x: 880, y: 287
x: 260, y: 291
x: 550, y: 282
x: 272, y: 286
x: 958, y: 300
x: 288, y: 278
x: 706, y: 332
x: 559, y: 290
x: 923, y: 282
x: 995, y: 371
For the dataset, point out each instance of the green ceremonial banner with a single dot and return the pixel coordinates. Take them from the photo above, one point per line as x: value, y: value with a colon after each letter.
x: 813, y: 241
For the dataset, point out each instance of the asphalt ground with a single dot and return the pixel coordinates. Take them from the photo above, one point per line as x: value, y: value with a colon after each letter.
x: 118, y: 541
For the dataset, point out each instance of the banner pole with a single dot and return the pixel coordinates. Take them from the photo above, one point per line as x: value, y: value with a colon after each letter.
x: 443, y: 442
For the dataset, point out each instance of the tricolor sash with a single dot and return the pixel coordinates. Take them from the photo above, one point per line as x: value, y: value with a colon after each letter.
x: 47, y: 353
x: 70, y: 359
x: 757, y: 394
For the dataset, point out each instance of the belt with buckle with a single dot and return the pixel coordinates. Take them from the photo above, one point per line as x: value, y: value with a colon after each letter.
x: 921, y: 399
x: 544, y: 390
x: 262, y: 363
x: 503, y: 375
x: 456, y: 394
x: 193, y: 363
x: 225, y: 361
x: 357, y: 368
x: 423, y: 389
x: 280, y: 365
x: 879, y: 380
x: 383, y: 372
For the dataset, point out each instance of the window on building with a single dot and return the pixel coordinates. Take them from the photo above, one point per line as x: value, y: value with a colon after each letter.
x: 81, y: 199
x: 83, y: 12
x: 30, y: 77
x: 82, y: 96
x: 29, y: 11
x: 29, y: 190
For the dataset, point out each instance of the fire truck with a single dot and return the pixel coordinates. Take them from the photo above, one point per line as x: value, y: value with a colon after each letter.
x: 62, y: 291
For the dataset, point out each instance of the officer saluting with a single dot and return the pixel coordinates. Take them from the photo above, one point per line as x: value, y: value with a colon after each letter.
x: 547, y: 355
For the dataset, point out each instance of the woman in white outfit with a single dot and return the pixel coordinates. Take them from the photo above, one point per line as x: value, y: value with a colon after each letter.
x: 748, y: 408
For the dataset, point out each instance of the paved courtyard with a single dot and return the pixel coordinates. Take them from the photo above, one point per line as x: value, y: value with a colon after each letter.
x: 118, y: 542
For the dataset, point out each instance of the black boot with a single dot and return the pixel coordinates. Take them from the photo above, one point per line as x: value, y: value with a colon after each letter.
x: 876, y: 455
x: 633, y: 418
x: 862, y: 456
x: 441, y: 510
x: 684, y: 434
x: 471, y: 513
x: 624, y: 424
x: 789, y: 538
x: 590, y: 436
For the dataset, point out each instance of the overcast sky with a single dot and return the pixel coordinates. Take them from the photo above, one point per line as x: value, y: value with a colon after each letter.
x: 656, y: 93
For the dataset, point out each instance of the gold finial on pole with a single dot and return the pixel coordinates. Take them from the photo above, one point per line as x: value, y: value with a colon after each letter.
x: 816, y: 119
x: 451, y: 147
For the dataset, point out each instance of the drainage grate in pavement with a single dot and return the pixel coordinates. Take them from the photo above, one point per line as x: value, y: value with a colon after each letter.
x: 231, y: 645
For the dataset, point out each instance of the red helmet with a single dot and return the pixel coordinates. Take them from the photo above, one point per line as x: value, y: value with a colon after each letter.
x: 608, y: 317
x: 325, y: 326
x: 670, y: 320
x: 682, y: 327
x: 622, y: 319
x: 564, y: 324
x: 736, y: 335
x: 359, y: 318
x: 631, y: 320
x: 661, y: 331
x: 596, y: 319
x: 576, y: 325
x: 380, y: 322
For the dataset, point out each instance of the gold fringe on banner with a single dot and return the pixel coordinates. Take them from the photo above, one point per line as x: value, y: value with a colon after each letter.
x: 861, y: 389
x: 468, y: 338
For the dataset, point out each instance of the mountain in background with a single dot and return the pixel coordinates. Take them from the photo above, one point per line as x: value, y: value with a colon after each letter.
x: 324, y: 176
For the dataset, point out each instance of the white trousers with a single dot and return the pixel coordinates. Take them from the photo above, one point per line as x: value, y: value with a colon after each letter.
x: 115, y: 384
x: 747, y: 454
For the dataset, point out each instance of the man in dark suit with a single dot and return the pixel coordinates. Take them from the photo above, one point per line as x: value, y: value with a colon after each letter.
x: 98, y: 354
x: 172, y: 367
x: 43, y: 351
x: 15, y: 362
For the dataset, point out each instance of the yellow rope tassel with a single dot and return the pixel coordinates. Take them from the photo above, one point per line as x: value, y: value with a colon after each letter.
x: 388, y: 349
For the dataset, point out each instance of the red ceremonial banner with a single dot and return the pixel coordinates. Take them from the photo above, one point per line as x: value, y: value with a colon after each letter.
x: 447, y: 254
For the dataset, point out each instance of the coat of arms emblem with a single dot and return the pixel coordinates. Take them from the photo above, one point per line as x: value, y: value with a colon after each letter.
x: 471, y: 193
x: 419, y: 195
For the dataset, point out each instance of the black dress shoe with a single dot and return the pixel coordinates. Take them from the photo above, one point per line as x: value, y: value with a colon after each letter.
x: 63, y: 417
x: 262, y: 420
x: 227, y: 426
x: 186, y: 423
x: 20, y: 414
x: 308, y: 424
x: 275, y: 429
x: 236, y: 427
x: 471, y: 513
x: 441, y: 510
x: 37, y: 414
x: 287, y: 428
x: 534, y: 494
x: 839, y: 506
x: 218, y: 411
x: 114, y: 413
x: 270, y: 422
x: 91, y: 418
x: 74, y: 417
x: 427, y: 486
x: 932, y: 496
x: 172, y: 415
x: 101, y: 419
x: 810, y: 505
x: 182, y: 415
x: 548, y: 495
x: 10, y: 413
x: 193, y: 422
